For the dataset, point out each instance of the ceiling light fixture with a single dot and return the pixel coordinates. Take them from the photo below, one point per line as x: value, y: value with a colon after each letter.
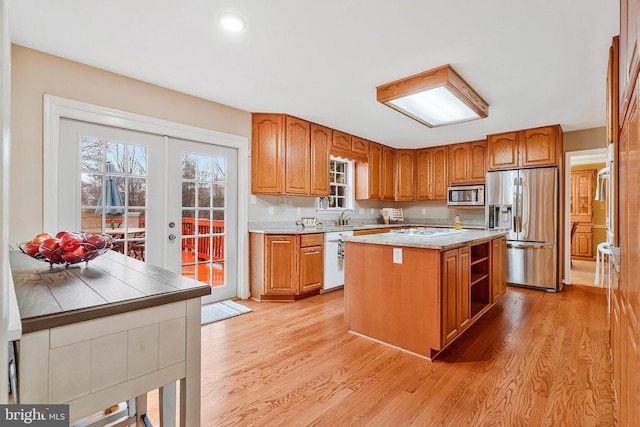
x: 231, y: 21
x: 435, y: 98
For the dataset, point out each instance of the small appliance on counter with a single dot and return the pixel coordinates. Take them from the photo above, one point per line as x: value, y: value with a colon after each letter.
x: 392, y: 213
x: 466, y: 195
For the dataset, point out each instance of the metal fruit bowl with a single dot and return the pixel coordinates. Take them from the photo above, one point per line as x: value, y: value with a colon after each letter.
x: 82, y: 251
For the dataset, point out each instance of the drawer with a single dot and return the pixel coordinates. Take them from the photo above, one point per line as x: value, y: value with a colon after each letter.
x: 584, y: 228
x: 370, y: 231
x: 307, y: 240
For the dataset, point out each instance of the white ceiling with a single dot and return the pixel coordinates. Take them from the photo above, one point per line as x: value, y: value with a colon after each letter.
x: 535, y: 62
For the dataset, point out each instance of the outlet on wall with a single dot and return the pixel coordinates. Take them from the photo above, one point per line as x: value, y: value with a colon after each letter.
x: 270, y: 210
x: 254, y: 199
x: 298, y: 211
x: 424, y: 211
x: 361, y: 211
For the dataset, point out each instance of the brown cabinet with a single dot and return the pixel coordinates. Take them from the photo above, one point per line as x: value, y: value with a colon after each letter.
x: 456, y: 285
x: 359, y: 146
x: 498, y: 268
x: 311, y: 262
x: 285, y: 267
x: 320, y: 145
x: 298, y: 156
x: 525, y: 149
x: 467, y: 163
x: 341, y: 140
x: 581, y: 202
x: 388, y: 173
x: 369, y: 175
x: 405, y: 175
x: 628, y: 52
x: 283, y: 160
x: 431, y: 173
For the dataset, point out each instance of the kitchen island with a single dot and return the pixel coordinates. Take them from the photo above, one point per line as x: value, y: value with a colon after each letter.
x: 420, y: 292
x: 99, y: 334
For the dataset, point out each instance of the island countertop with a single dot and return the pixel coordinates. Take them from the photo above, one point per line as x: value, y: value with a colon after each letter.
x: 451, y: 241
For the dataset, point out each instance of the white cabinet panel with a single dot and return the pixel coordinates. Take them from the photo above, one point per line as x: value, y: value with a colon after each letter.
x: 70, y: 372
x: 172, y: 342
x: 142, y: 351
x: 108, y: 361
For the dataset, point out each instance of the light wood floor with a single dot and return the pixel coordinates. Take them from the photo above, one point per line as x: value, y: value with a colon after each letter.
x: 583, y: 273
x: 535, y: 359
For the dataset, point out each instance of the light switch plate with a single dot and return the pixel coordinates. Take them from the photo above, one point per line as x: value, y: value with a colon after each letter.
x: 254, y: 199
x: 298, y: 211
x: 397, y: 255
x: 361, y: 211
x: 270, y: 210
x: 424, y: 211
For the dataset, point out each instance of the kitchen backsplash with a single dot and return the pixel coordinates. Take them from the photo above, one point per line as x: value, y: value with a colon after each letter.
x: 285, y: 209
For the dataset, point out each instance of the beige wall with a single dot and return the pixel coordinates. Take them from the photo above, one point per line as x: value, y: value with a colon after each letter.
x: 585, y: 139
x: 35, y: 74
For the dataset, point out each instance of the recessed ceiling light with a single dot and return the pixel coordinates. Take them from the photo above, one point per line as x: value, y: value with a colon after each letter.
x: 231, y: 21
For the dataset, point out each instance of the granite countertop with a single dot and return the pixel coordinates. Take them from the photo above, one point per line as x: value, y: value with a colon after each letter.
x: 280, y: 228
x: 447, y: 242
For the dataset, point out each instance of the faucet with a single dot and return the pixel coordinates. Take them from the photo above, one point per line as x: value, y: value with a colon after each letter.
x: 343, y: 220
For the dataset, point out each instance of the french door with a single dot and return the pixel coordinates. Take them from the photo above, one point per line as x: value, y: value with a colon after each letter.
x: 175, y: 204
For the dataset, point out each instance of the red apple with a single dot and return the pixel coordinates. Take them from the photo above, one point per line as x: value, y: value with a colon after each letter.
x: 97, y: 240
x: 61, y: 234
x: 74, y: 256
x: 71, y: 241
x: 41, y: 238
x: 31, y: 248
x: 50, y: 249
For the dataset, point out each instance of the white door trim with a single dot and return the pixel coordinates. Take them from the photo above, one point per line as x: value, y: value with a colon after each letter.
x: 56, y: 108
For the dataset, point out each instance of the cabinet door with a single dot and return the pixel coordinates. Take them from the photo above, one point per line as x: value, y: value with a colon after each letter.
x: 267, y: 154
x: 458, y: 163
x: 341, y: 140
x: 439, y: 174
x: 502, y: 151
x: 498, y: 268
x: 320, y: 145
x: 375, y: 171
x: 584, y: 244
x: 584, y: 196
x: 628, y: 51
x: 388, y: 173
x: 359, y: 146
x: 282, y: 265
x: 423, y: 173
x: 298, y: 157
x: 405, y: 174
x: 477, y: 162
x: 538, y: 147
x: 311, y: 269
x: 464, y: 288
x: 449, y: 273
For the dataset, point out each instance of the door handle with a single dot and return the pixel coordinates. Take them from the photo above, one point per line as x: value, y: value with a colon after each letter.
x: 172, y: 237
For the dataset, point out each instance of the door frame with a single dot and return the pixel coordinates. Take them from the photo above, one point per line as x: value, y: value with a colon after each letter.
x: 570, y: 157
x: 56, y: 108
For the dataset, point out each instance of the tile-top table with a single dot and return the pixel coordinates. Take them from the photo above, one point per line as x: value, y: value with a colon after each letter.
x: 108, y: 331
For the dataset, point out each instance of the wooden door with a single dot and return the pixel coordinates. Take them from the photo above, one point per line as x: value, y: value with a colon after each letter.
x: 311, y: 269
x: 341, y: 140
x: 375, y: 171
x: 498, y: 268
x: 628, y: 51
x: 439, y: 173
x: 281, y: 272
x: 537, y: 147
x: 423, y: 173
x: 583, y: 190
x: 321, y: 138
x: 405, y: 172
x: 464, y: 287
x: 583, y: 244
x: 458, y: 163
x: 267, y: 153
x: 449, y: 272
x: 388, y: 173
x: 298, y: 156
x: 502, y: 150
x: 477, y: 162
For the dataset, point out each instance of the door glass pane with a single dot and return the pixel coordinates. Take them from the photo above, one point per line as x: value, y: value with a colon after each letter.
x: 203, y: 237
x: 114, y: 193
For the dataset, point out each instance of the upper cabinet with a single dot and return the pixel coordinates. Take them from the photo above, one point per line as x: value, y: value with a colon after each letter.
x: 388, y: 173
x: 369, y: 175
x: 525, y: 149
x: 431, y: 173
x: 467, y: 163
x: 405, y: 175
x: 628, y: 60
x: 341, y: 141
x: 349, y: 146
x: 283, y: 159
x: 359, y: 146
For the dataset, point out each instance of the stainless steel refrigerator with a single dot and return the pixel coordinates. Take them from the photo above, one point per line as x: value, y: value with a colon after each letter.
x: 524, y: 201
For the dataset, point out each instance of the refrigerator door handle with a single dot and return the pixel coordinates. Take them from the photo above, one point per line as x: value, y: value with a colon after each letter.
x: 515, y: 205
x: 520, y: 196
x: 526, y: 245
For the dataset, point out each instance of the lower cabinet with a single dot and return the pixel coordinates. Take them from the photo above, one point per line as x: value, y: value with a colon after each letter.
x: 473, y: 278
x: 285, y: 267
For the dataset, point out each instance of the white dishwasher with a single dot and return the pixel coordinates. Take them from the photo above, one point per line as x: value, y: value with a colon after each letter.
x: 333, y: 264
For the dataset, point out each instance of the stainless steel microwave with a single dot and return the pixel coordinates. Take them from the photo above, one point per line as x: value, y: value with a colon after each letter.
x: 466, y: 195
